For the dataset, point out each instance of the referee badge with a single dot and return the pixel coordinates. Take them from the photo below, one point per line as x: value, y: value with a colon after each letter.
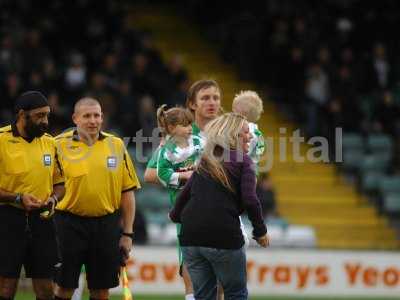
x: 47, y: 159
x: 111, y: 162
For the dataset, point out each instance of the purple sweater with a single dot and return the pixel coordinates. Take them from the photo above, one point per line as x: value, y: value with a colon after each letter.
x: 209, y: 213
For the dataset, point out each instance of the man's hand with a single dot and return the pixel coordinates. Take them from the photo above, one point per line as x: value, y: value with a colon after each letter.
x: 125, y: 244
x: 49, y: 208
x: 263, y: 241
x: 30, y: 202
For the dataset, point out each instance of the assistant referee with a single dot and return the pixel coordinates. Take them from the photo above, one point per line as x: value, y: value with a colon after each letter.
x: 95, y: 219
x: 30, y: 178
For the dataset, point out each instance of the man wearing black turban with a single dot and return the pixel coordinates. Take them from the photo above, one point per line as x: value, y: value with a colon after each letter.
x: 30, y: 182
x: 32, y: 110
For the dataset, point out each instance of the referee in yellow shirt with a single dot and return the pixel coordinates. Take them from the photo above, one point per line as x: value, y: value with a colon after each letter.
x: 30, y: 178
x: 95, y: 219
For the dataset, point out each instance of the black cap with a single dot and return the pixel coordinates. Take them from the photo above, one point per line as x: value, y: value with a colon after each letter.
x: 30, y: 100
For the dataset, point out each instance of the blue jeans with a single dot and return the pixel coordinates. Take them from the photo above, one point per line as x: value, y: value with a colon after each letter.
x: 206, y: 266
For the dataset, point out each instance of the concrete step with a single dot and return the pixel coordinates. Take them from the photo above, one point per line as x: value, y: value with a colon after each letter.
x: 362, y: 224
x: 350, y: 213
x: 356, y: 244
x: 317, y: 199
x: 377, y: 233
x: 307, y: 191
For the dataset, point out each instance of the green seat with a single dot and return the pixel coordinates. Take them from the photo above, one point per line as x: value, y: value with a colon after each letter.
x: 391, y: 203
x: 367, y: 104
x: 379, y: 143
x: 390, y: 184
x: 396, y: 94
x: 158, y: 218
x: 373, y: 162
x: 352, y: 142
x: 352, y: 159
x: 153, y: 198
x: 370, y: 181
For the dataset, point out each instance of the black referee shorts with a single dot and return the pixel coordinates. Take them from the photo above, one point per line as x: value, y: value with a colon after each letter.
x: 26, y: 240
x: 89, y: 241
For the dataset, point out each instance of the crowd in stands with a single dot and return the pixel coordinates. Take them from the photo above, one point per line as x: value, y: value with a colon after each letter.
x: 332, y: 63
x: 69, y: 49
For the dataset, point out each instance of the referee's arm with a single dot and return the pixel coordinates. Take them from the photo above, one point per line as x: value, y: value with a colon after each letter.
x: 128, y: 208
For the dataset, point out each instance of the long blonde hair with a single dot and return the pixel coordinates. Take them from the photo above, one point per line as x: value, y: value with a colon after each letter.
x: 222, y: 135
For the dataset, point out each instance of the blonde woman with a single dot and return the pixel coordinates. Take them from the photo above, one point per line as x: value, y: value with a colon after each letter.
x: 219, y: 191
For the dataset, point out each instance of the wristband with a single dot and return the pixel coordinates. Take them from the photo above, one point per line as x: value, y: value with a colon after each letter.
x: 128, y: 234
x: 18, y: 199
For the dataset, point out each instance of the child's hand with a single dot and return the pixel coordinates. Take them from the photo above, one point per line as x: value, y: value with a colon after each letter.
x: 185, y: 175
x: 184, y: 169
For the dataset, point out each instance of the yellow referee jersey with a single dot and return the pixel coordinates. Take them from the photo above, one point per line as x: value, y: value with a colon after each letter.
x: 28, y: 167
x: 96, y: 175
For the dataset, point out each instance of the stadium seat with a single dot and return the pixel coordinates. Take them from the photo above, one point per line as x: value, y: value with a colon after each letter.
x: 374, y: 162
x: 396, y: 94
x: 159, y: 218
x: 370, y: 181
x: 367, y: 104
x: 352, y: 159
x: 300, y: 236
x: 391, y: 203
x: 379, y: 143
x: 352, y: 142
x: 169, y: 236
x: 389, y: 185
x: 153, y: 198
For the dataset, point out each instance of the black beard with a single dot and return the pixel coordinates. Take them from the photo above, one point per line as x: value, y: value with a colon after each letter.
x: 35, y: 130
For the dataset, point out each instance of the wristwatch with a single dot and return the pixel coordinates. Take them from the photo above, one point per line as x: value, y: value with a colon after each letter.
x: 18, y: 198
x: 128, y: 234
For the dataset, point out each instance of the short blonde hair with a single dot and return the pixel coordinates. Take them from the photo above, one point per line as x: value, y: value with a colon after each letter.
x: 85, y: 101
x: 248, y: 104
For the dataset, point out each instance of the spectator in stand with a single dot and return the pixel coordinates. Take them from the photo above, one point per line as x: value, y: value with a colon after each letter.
x: 51, y: 76
x: 317, y: 93
x: 178, y: 76
x: 295, y: 82
x: 379, y: 69
x: 110, y: 71
x: 266, y: 194
x: 141, y: 79
x: 128, y: 103
x: 75, y: 76
x: 58, y: 115
x: 34, y: 52
x: 55, y: 55
x: 141, y: 236
x: 387, y: 115
x: 10, y: 92
x: 147, y: 118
